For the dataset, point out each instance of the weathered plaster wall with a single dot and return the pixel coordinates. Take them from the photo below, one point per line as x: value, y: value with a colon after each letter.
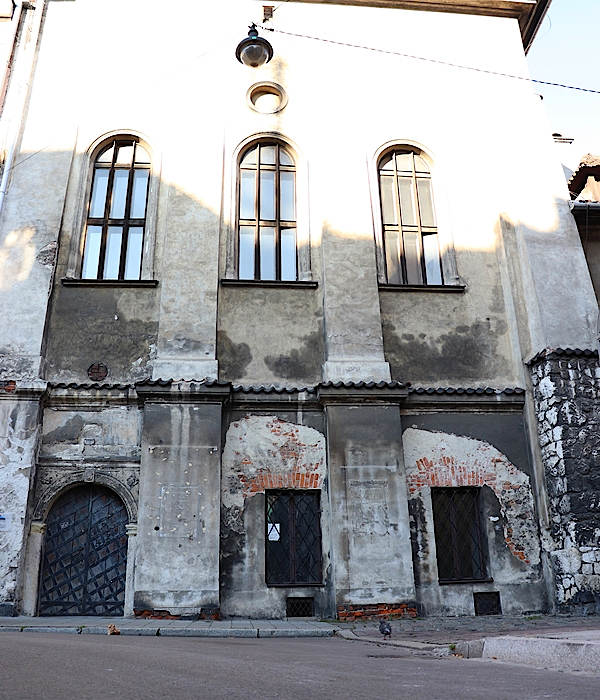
x: 92, y: 433
x: 178, y: 537
x: 19, y: 433
x: 115, y: 326
x: 267, y: 452
x: 270, y: 335
x: 567, y: 400
x: 439, y: 459
x: 370, y: 525
x: 451, y: 339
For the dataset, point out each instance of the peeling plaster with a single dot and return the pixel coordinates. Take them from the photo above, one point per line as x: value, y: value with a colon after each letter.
x: 267, y: 452
x: 443, y: 459
x: 17, y: 451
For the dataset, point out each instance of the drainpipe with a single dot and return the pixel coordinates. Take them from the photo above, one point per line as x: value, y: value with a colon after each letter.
x: 28, y: 69
x: 10, y: 56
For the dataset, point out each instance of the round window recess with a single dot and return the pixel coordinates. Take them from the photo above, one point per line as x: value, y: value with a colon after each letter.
x: 266, y: 98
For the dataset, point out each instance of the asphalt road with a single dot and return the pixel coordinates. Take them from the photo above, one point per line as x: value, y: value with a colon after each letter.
x: 53, y: 666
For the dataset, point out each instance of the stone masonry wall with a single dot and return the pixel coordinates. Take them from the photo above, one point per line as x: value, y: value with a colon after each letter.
x: 566, y: 386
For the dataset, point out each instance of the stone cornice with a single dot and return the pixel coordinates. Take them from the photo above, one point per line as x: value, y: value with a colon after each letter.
x: 530, y: 13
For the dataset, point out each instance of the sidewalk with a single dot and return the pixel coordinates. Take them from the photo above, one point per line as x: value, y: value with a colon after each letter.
x: 562, y: 643
x: 169, y: 628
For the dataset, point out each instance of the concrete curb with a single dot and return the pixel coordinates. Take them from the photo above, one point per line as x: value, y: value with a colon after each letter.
x: 557, y: 654
x: 422, y: 647
x: 223, y: 632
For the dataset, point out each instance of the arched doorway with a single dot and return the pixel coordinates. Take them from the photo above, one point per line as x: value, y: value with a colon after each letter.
x: 85, y: 554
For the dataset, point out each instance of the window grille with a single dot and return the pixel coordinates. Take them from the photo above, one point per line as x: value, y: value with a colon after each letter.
x: 458, y: 534
x: 300, y: 607
x: 267, y: 248
x: 293, y: 538
x: 410, y: 236
x: 487, y: 603
x: 116, y: 219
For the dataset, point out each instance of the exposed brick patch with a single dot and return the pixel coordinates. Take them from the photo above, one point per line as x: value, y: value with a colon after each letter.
x: 349, y: 612
x: 486, y: 468
x: 8, y: 386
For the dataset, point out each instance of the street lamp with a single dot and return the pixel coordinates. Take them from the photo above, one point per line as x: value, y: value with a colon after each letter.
x: 254, y: 51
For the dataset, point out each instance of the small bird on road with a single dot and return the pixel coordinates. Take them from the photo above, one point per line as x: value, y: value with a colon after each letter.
x: 385, y: 629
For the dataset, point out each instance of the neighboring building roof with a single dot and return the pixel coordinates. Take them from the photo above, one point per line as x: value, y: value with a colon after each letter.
x: 585, y: 181
x: 530, y: 13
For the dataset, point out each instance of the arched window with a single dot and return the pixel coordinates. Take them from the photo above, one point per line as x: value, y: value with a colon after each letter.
x: 116, y: 216
x: 410, y: 237
x: 266, y: 213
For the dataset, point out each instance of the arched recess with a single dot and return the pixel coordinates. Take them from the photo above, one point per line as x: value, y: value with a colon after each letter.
x: 56, y: 489
x: 446, y: 243
x: 231, y: 175
x: 84, y: 561
x: 86, y: 171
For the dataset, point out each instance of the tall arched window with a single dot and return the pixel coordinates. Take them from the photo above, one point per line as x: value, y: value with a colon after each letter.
x: 266, y: 213
x: 410, y: 236
x: 116, y: 217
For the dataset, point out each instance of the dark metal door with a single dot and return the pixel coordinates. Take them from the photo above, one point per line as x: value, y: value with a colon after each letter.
x: 85, y: 557
x: 293, y: 538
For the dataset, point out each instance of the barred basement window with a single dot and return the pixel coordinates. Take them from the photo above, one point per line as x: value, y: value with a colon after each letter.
x: 116, y: 218
x: 458, y: 534
x: 293, y: 538
x: 410, y: 237
x: 266, y: 215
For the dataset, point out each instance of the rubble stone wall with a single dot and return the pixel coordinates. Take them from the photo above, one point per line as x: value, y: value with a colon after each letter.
x: 566, y: 387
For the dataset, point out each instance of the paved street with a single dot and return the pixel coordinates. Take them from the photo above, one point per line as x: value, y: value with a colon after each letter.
x: 87, y: 667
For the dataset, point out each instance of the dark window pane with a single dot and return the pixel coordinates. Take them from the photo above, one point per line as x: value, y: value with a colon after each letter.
x: 119, y: 194
x: 267, y: 253
x: 139, y: 194
x: 388, y: 200
x: 133, y: 258
x: 407, y: 205
x: 267, y: 195
x: 112, y: 255
x: 288, y: 254
x: 392, y: 257
x: 433, y: 269
x: 293, y: 538
x: 246, y: 253
x: 458, y: 535
x: 99, y: 188
x: 425, y: 202
x: 287, y: 196
x: 91, y: 253
x: 411, y: 257
x: 247, y: 194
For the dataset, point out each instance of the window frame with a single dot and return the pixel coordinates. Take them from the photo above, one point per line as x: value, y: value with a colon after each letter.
x: 257, y: 223
x: 451, y: 279
x: 83, y: 168
x: 229, y: 215
x: 481, y: 540
x: 316, y: 494
x: 107, y: 221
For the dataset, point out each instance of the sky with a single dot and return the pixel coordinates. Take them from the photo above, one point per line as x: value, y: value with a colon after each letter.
x: 566, y: 51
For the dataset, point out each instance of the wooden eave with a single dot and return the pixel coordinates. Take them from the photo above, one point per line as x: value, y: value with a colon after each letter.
x: 529, y: 13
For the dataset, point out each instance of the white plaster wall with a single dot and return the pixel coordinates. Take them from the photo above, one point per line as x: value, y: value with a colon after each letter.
x: 173, y: 77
